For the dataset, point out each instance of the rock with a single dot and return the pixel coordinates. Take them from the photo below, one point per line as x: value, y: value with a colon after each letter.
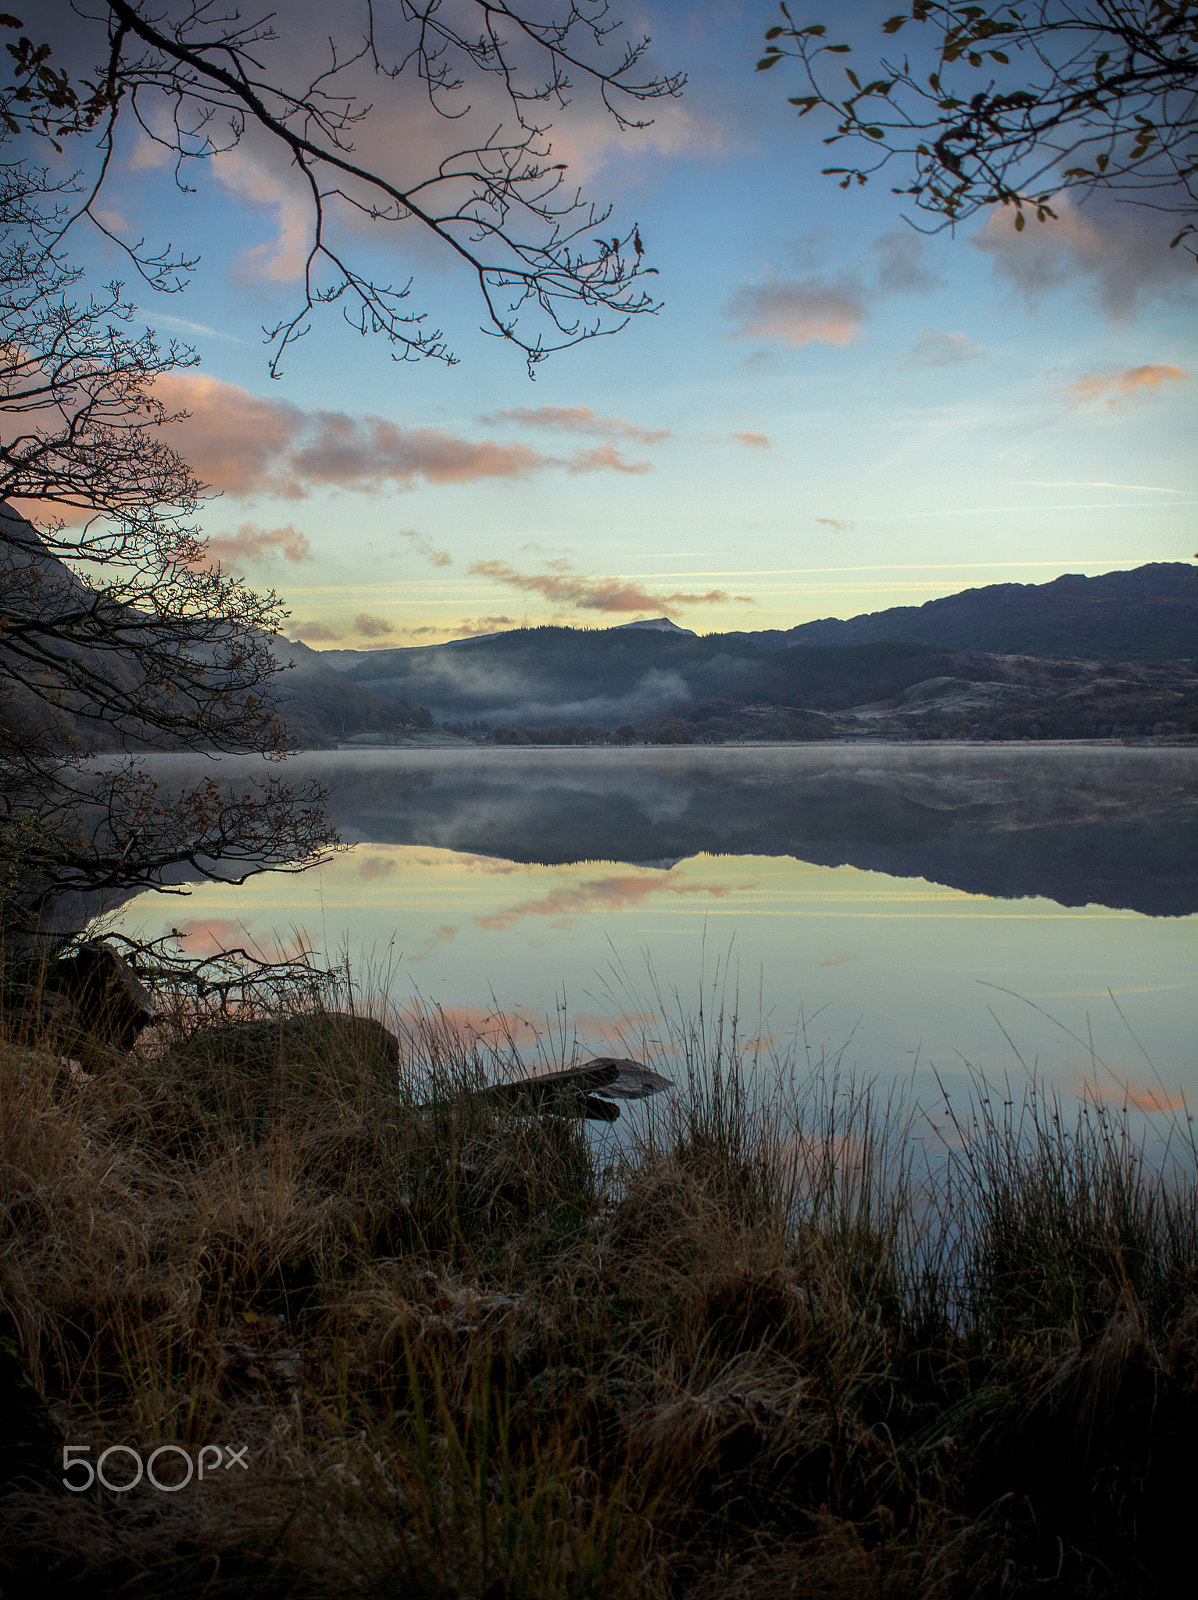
x: 111, y: 1002
x: 308, y: 1035
x: 259, y: 1067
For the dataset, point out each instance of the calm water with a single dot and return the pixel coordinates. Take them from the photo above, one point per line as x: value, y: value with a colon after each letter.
x: 909, y: 909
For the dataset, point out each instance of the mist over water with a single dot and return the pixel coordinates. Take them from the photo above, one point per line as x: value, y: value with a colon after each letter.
x: 904, y: 908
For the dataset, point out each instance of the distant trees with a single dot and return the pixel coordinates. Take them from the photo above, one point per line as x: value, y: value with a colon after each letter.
x: 1014, y: 104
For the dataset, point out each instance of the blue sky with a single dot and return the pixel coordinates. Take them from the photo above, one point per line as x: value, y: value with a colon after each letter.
x: 830, y: 414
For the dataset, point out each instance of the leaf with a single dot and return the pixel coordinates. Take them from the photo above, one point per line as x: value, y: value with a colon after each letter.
x: 1020, y: 222
x: 774, y: 33
x: 839, y: 49
x: 852, y: 77
x: 1000, y: 55
x: 767, y: 62
x: 893, y: 24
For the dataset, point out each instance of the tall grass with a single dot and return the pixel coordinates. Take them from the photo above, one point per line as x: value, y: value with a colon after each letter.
x: 772, y: 1340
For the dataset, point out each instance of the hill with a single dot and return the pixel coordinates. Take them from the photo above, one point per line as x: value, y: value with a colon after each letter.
x: 544, y: 675
x: 1148, y: 614
x: 317, y: 704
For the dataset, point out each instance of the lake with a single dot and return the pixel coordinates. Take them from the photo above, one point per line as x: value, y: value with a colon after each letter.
x: 910, y: 911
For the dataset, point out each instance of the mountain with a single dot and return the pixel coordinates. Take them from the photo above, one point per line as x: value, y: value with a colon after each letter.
x: 320, y: 706
x: 683, y: 690
x: 625, y: 675
x: 660, y: 625
x: 317, y: 704
x: 1148, y: 614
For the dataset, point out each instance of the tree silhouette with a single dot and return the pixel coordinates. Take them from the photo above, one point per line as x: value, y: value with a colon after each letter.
x: 1013, y: 105
x: 197, y: 82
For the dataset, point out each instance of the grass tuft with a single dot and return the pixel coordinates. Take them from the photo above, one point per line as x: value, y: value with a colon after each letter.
x: 770, y: 1340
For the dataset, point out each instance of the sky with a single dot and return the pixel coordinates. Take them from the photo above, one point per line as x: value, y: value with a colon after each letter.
x: 830, y: 414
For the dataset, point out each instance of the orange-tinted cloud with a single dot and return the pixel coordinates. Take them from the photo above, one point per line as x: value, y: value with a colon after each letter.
x: 836, y: 524
x: 1133, y: 1096
x: 250, y: 543
x: 595, y: 594
x: 371, y: 867
x: 617, y: 893
x: 243, y: 444
x: 372, y: 627
x: 240, y: 443
x: 314, y: 633
x: 432, y: 944
x: 613, y: 1030
x: 604, y: 458
x: 250, y: 179
x: 754, y: 441
x: 837, y: 961
x: 577, y: 419
x: 210, y: 936
x: 1122, y: 388
x: 232, y: 439
x: 472, y: 627
x: 439, y: 558
x: 796, y: 313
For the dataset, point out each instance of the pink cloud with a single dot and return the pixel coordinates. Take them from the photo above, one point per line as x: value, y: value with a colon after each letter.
x: 617, y: 893
x: 1135, y: 1096
x: 211, y: 936
x: 578, y: 419
x: 243, y: 444
x: 314, y: 633
x: 471, y: 627
x: 593, y: 593
x: 796, y: 313
x: 372, y: 627
x: 372, y: 867
x: 754, y: 441
x: 604, y: 458
x: 251, y: 543
x: 1122, y: 388
x: 439, y: 558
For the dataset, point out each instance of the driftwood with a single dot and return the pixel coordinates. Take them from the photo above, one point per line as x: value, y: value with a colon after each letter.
x: 94, y: 1005
x: 589, y: 1090
x: 313, y: 1051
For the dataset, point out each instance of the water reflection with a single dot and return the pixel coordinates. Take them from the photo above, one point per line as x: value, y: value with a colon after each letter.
x: 915, y: 909
x: 1114, y: 827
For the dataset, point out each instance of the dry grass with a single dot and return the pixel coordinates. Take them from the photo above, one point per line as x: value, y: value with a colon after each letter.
x: 754, y: 1349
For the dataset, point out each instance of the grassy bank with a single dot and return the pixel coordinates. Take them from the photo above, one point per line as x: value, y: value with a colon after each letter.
x: 761, y: 1346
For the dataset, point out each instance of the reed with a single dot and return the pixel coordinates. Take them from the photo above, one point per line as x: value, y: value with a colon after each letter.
x: 773, y: 1339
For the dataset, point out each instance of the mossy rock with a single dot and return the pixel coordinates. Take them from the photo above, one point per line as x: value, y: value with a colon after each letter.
x: 259, y: 1068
